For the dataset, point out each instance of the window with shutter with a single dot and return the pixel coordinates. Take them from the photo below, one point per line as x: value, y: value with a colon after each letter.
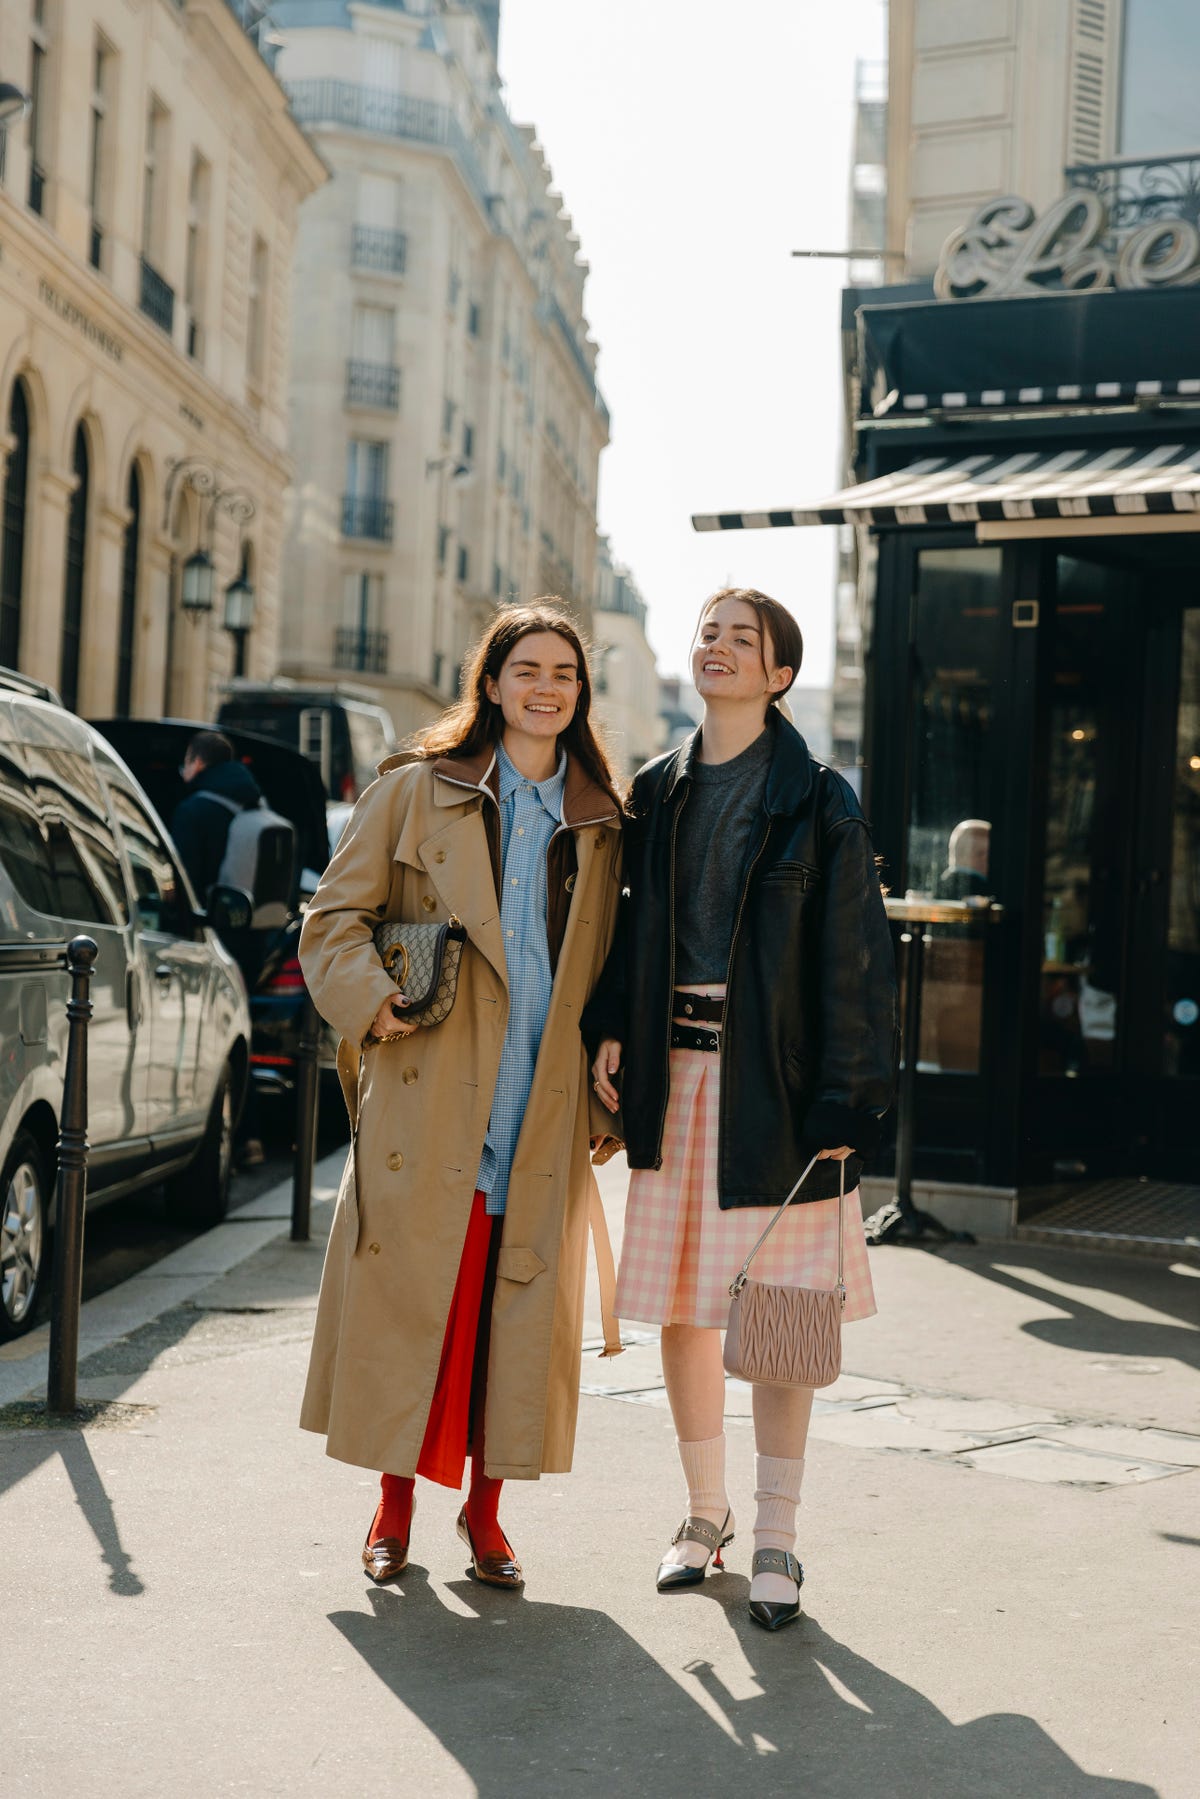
x: 1094, y: 68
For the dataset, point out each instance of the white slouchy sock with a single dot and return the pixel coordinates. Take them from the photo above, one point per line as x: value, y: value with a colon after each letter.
x: 777, y: 1484
x: 704, y: 1471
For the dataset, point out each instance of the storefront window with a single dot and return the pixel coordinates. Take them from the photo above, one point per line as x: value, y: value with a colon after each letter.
x: 1087, y: 796
x: 949, y: 835
x: 1160, y: 103
x: 1182, y: 1041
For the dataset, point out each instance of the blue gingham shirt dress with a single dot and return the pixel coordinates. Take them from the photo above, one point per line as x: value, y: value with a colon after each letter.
x: 530, y: 813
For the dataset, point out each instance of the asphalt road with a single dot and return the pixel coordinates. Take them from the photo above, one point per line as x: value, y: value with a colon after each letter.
x: 130, y: 1234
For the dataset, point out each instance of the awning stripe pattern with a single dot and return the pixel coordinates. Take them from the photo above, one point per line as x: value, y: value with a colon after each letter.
x: 1077, y: 394
x: 1030, y: 484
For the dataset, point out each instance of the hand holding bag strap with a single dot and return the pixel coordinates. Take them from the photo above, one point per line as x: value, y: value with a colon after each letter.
x: 743, y: 1273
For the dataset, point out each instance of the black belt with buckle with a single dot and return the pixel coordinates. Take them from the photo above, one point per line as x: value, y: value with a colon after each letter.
x: 700, y: 1006
x: 690, y: 1036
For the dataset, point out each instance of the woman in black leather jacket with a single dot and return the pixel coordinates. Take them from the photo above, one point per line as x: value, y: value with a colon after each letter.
x: 749, y: 1009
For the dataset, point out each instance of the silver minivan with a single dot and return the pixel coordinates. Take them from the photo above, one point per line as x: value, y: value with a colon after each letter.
x: 83, y: 851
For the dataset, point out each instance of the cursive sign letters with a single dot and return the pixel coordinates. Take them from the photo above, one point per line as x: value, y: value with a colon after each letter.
x: 1006, y: 249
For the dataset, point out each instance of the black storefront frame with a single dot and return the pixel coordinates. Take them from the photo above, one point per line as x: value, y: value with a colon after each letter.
x: 965, y: 1117
x: 994, y: 1109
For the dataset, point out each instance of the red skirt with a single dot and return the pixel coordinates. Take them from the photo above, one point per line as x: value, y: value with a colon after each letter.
x: 455, y: 1424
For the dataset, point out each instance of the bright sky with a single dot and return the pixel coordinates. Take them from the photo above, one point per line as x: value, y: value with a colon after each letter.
x: 696, y: 144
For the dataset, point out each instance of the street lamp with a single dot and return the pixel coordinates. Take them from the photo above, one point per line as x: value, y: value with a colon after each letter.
x: 196, y: 586
x: 239, y: 618
x: 14, y: 104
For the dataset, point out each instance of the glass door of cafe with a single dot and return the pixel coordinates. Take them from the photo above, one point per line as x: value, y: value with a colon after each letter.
x: 1111, y: 1065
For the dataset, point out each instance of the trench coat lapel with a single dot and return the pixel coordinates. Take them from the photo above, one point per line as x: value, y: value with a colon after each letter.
x: 459, y: 867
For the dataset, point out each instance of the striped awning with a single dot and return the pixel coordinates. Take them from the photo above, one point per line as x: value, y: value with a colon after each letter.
x: 1032, y: 484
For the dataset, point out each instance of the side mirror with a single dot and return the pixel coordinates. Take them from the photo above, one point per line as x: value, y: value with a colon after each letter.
x: 229, y: 909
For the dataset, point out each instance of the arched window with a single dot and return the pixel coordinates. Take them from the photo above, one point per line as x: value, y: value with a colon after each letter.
x: 129, y: 589
x: 12, y: 548
x: 72, y: 622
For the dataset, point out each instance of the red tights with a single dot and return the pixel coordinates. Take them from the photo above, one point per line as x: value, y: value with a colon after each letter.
x: 394, y: 1515
x: 443, y: 1451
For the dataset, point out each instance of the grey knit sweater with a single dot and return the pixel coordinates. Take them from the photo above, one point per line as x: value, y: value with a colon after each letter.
x: 710, y: 853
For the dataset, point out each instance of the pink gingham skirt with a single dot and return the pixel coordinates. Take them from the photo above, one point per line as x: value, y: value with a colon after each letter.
x: 681, y: 1251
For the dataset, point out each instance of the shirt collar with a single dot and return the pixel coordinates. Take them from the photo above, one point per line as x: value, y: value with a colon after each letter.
x: 549, y: 792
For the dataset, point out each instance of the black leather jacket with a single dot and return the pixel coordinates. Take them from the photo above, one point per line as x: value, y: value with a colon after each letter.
x: 809, y: 1045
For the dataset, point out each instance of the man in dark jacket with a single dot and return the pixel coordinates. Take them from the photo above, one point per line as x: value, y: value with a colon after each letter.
x: 200, y: 829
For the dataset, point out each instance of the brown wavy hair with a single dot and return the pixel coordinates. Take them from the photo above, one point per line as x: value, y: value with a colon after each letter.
x: 475, y: 723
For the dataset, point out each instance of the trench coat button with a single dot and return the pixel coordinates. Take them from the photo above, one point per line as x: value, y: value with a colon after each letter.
x: 373, y: 1249
x: 570, y: 883
x: 439, y: 855
x: 409, y: 1076
x: 395, y: 1160
x: 429, y: 903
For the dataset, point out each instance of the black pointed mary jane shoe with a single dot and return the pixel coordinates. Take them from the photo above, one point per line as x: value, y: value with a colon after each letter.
x: 672, y: 1575
x: 770, y: 1613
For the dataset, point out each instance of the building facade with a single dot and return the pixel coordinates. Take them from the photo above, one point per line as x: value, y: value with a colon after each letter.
x: 148, y: 210
x: 994, y: 97
x: 1026, y: 465
x: 627, y: 684
x: 445, y: 414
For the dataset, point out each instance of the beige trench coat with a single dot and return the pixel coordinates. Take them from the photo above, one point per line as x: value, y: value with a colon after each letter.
x: 417, y: 848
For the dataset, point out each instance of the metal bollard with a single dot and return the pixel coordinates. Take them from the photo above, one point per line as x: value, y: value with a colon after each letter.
x: 72, y: 1186
x: 307, y: 1109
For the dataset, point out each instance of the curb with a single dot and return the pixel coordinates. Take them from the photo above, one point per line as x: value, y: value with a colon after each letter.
x: 24, y: 1364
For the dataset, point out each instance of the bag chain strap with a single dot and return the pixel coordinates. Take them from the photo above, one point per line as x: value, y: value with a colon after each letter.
x: 743, y: 1275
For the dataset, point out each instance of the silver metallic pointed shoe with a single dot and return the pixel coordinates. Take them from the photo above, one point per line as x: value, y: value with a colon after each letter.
x: 695, y: 1530
x: 772, y: 1614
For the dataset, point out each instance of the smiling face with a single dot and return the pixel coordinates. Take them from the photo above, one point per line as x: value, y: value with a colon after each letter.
x: 538, y: 687
x: 731, y: 659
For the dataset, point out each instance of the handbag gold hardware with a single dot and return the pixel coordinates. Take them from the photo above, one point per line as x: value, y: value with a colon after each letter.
x: 398, y: 953
x: 423, y: 960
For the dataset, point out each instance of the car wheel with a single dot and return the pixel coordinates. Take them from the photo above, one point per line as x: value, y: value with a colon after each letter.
x: 24, y: 1204
x: 199, y: 1195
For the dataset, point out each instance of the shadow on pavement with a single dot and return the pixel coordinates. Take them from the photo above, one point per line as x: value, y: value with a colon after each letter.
x: 525, y: 1696
x: 23, y: 1453
x: 1090, y: 1328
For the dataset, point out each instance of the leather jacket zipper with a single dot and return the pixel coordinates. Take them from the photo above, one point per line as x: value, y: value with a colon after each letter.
x: 662, y: 1117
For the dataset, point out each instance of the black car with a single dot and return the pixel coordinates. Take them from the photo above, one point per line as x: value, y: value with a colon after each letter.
x: 292, y: 786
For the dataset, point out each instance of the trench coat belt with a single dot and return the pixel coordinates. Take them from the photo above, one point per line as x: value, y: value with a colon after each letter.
x: 349, y: 1064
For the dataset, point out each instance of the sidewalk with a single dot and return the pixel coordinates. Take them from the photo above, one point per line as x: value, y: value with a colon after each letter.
x: 1003, y: 1563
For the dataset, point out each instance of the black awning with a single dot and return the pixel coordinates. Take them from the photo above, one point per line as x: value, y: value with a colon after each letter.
x: 1028, y: 484
x: 1051, y: 349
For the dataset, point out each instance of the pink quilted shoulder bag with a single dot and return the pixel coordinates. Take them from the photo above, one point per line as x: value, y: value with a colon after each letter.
x: 788, y: 1336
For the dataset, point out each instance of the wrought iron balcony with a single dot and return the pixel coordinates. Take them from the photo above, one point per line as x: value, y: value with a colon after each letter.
x: 374, y: 384
x: 382, y: 251
x: 157, y: 298
x: 366, y: 652
x: 351, y: 105
x: 367, y: 517
x: 1142, y: 190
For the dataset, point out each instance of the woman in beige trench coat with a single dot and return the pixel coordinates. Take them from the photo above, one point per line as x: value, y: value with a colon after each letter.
x: 440, y: 1321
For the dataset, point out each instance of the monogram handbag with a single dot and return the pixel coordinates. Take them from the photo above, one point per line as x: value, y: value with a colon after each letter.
x: 787, y: 1336
x: 423, y: 960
